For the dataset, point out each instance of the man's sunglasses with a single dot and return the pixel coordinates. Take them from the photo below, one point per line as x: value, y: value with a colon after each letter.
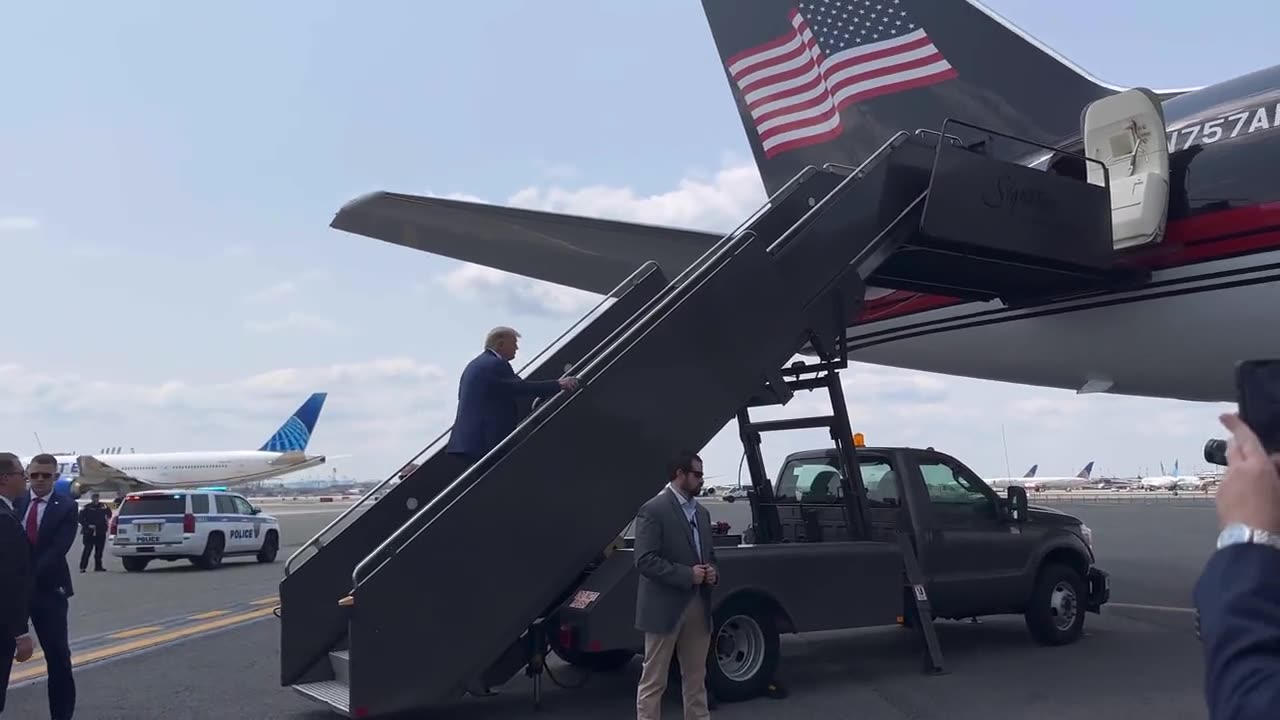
x: 41, y: 475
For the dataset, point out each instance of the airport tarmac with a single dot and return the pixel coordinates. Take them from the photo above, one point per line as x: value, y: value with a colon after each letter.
x: 176, y: 641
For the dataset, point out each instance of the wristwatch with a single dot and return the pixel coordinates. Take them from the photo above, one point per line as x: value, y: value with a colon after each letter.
x: 1236, y: 533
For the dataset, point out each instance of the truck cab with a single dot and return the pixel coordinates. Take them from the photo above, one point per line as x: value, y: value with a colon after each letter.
x: 981, y: 553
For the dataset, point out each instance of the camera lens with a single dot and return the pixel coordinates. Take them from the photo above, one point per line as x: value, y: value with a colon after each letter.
x: 1215, y: 451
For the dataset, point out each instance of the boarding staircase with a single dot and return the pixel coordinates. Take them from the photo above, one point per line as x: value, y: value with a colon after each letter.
x: 432, y: 590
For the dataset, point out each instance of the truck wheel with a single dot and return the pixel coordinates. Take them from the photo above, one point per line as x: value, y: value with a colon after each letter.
x: 1055, y: 615
x: 744, y: 651
x: 134, y: 564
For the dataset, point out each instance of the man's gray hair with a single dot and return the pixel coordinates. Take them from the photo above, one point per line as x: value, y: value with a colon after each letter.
x: 497, y: 334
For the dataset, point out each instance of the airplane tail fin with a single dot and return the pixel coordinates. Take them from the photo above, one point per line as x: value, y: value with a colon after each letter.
x: 818, y: 82
x: 1086, y: 472
x: 295, y: 433
x: 1032, y: 471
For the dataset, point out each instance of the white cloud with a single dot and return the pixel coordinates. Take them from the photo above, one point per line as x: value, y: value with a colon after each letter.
x: 382, y: 410
x: 18, y: 223
x: 719, y: 202
x: 519, y: 294
x: 716, y: 203
x: 275, y: 291
x: 288, y: 286
x: 293, y: 321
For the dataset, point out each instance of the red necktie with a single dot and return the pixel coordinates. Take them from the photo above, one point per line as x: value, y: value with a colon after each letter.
x: 33, y: 530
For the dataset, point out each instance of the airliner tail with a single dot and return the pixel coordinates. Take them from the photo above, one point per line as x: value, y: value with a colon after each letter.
x: 294, y: 435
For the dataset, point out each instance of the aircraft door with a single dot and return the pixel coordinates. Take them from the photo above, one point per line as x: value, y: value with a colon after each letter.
x: 1126, y: 133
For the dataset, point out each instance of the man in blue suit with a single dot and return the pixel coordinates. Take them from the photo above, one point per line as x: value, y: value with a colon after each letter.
x: 49, y: 520
x: 487, y: 397
x: 1238, y: 594
x: 15, y: 574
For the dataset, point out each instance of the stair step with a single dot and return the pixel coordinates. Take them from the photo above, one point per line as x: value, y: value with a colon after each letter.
x: 333, y: 693
x: 341, y: 662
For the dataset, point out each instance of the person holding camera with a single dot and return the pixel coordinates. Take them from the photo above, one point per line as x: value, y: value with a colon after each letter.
x: 1237, y: 596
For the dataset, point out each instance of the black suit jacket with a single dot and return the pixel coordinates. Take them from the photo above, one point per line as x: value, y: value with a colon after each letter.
x: 57, y: 535
x: 487, y: 404
x: 1238, y: 600
x: 15, y: 575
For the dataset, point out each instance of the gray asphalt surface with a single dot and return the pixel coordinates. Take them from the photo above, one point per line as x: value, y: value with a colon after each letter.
x: 1134, y: 660
x: 115, y: 600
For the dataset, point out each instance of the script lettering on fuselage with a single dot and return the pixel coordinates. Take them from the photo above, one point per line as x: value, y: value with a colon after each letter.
x: 1225, y: 127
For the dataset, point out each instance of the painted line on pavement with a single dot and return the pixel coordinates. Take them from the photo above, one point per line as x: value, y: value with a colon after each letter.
x: 1162, y: 608
x: 25, y: 672
x: 146, y: 635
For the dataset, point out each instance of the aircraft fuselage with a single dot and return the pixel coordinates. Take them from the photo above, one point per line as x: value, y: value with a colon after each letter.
x: 1210, y: 302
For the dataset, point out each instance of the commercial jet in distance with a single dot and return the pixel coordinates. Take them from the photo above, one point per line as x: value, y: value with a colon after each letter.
x: 119, y: 473
x: 1195, y: 199
x: 1030, y: 482
x: 1174, y: 481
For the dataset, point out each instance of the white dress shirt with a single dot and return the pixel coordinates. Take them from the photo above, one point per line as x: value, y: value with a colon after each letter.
x: 37, y: 508
x: 690, y: 508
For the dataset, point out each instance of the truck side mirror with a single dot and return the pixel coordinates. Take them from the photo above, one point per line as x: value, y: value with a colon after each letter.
x: 1018, y: 502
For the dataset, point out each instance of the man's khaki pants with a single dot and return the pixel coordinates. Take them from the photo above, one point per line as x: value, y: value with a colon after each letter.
x: 689, y: 641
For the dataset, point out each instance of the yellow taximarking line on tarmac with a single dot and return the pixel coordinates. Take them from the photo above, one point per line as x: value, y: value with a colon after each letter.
x: 26, y: 671
x: 135, y: 632
x: 1135, y: 606
x: 210, y: 614
x: 265, y: 600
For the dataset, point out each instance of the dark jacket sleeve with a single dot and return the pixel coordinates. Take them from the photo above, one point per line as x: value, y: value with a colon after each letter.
x: 648, y: 551
x: 15, y: 576
x: 515, y: 386
x: 1238, y: 598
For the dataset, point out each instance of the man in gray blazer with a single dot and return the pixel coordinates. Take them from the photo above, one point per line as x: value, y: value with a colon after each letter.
x: 677, y: 565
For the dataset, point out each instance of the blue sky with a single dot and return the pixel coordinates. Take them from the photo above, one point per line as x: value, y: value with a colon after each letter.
x: 167, y: 175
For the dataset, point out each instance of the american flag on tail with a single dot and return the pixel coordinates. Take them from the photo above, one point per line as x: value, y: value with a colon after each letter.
x: 837, y: 52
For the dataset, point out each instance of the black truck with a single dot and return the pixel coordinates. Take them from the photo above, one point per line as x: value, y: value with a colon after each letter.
x: 800, y: 566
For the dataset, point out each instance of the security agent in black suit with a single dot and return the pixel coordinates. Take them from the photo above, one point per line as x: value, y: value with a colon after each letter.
x: 49, y: 521
x: 16, y: 580
x: 95, y: 517
x: 1238, y: 594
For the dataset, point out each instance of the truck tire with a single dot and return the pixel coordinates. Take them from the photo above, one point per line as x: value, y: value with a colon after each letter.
x: 1055, y: 613
x: 744, y: 650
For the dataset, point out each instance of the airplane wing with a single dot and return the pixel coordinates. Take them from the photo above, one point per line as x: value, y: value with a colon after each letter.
x: 580, y: 252
x: 93, y: 471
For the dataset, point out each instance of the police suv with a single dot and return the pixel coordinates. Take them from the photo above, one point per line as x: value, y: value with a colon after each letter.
x: 202, y: 526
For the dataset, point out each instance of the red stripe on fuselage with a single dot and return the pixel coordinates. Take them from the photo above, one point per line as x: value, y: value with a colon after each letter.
x: 1209, y: 236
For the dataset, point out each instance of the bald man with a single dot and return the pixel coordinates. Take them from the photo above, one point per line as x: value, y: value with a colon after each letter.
x: 487, y: 395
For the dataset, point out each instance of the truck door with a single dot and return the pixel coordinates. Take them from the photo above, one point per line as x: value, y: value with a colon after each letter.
x: 972, y: 556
